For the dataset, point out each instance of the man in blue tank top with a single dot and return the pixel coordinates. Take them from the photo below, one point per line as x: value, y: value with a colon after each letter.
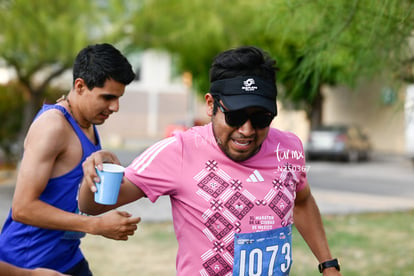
x: 44, y: 227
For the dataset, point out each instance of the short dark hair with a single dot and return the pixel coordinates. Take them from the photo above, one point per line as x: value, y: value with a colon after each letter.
x: 243, y: 61
x: 97, y: 63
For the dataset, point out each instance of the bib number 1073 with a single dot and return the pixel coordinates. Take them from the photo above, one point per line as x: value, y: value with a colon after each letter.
x: 265, y: 253
x: 260, y: 261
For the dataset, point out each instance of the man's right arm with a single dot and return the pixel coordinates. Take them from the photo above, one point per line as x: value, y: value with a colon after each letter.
x: 47, y: 139
x: 127, y: 193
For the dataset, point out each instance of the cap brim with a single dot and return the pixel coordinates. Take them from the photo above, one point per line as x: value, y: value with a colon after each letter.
x: 236, y: 102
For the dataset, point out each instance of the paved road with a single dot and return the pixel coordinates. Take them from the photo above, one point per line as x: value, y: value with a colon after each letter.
x: 383, y: 184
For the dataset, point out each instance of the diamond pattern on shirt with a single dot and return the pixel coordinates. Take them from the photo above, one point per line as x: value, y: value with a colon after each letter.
x: 217, y: 266
x: 290, y: 182
x: 239, y: 205
x: 281, y: 204
x: 218, y: 225
x: 213, y: 184
x: 229, y: 203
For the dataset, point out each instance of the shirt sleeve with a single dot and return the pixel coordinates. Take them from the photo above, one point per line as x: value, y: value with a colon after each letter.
x: 155, y: 170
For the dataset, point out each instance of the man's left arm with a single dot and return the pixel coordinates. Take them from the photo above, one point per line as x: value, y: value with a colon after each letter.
x: 308, y: 221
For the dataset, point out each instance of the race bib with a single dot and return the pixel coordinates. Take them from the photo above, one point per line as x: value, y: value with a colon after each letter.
x: 263, y: 253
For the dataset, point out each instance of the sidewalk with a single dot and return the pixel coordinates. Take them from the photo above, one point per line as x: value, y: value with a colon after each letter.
x: 334, y: 202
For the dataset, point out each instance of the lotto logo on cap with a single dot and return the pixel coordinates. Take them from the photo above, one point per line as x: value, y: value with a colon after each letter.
x: 249, y: 85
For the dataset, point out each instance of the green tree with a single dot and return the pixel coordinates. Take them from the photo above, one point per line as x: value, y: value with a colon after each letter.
x: 195, y: 31
x: 11, y: 103
x: 342, y: 42
x: 40, y: 39
x: 315, y: 42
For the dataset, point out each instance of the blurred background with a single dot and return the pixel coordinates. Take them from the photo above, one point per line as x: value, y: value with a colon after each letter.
x: 345, y: 82
x: 342, y: 64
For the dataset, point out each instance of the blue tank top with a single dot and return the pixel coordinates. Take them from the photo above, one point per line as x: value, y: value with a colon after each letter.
x: 30, y: 247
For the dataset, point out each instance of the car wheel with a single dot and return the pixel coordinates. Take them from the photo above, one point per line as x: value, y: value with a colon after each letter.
x: 309, y: 157
x: 352, y: 156
x: 365, y: 156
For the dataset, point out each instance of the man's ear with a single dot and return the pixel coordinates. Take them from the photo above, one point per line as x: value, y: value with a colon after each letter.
x: 209, y: 104
x: 79, y: 85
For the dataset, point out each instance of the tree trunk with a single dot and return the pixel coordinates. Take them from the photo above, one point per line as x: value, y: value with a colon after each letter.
x: 30, y: 108
x: 316, y: 110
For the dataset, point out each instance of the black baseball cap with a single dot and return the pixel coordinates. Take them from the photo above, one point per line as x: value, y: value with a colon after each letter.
x: 246, y: 91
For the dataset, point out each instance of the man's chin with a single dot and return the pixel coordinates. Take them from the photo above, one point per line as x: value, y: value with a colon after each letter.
x: 99, y: 122
x: 239, y: 156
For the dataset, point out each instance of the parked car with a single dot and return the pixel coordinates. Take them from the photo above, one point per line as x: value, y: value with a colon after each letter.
x: 338, y: 142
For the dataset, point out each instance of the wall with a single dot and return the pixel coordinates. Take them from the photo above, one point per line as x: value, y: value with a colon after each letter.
x: 383, y: 123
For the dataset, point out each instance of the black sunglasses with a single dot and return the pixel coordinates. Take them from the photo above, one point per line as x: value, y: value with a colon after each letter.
x: 237, y: 118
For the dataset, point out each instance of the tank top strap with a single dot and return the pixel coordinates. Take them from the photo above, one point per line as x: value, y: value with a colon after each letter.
x: 85, y: 141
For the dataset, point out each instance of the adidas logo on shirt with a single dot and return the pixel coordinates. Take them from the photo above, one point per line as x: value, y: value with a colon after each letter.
x: 255, y: 177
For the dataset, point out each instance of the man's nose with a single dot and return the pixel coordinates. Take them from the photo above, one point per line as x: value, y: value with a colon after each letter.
x: 114, y: 106
x: 247, y: 128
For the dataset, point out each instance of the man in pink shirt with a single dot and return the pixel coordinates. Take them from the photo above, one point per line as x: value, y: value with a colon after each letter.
x: 236, y: 185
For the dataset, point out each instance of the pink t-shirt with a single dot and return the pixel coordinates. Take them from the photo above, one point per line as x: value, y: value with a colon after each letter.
x: 213, y: 197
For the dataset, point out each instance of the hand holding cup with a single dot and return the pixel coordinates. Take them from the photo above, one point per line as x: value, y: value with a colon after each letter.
x: 110, y: 183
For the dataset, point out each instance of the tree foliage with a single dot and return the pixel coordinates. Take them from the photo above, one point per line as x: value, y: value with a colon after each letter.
x: 197, y: 30
x: 40, y: 39
x: 315, y: 42
x: 344, y: 40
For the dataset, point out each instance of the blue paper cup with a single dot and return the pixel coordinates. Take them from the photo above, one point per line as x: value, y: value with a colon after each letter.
x: 108, y: 189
